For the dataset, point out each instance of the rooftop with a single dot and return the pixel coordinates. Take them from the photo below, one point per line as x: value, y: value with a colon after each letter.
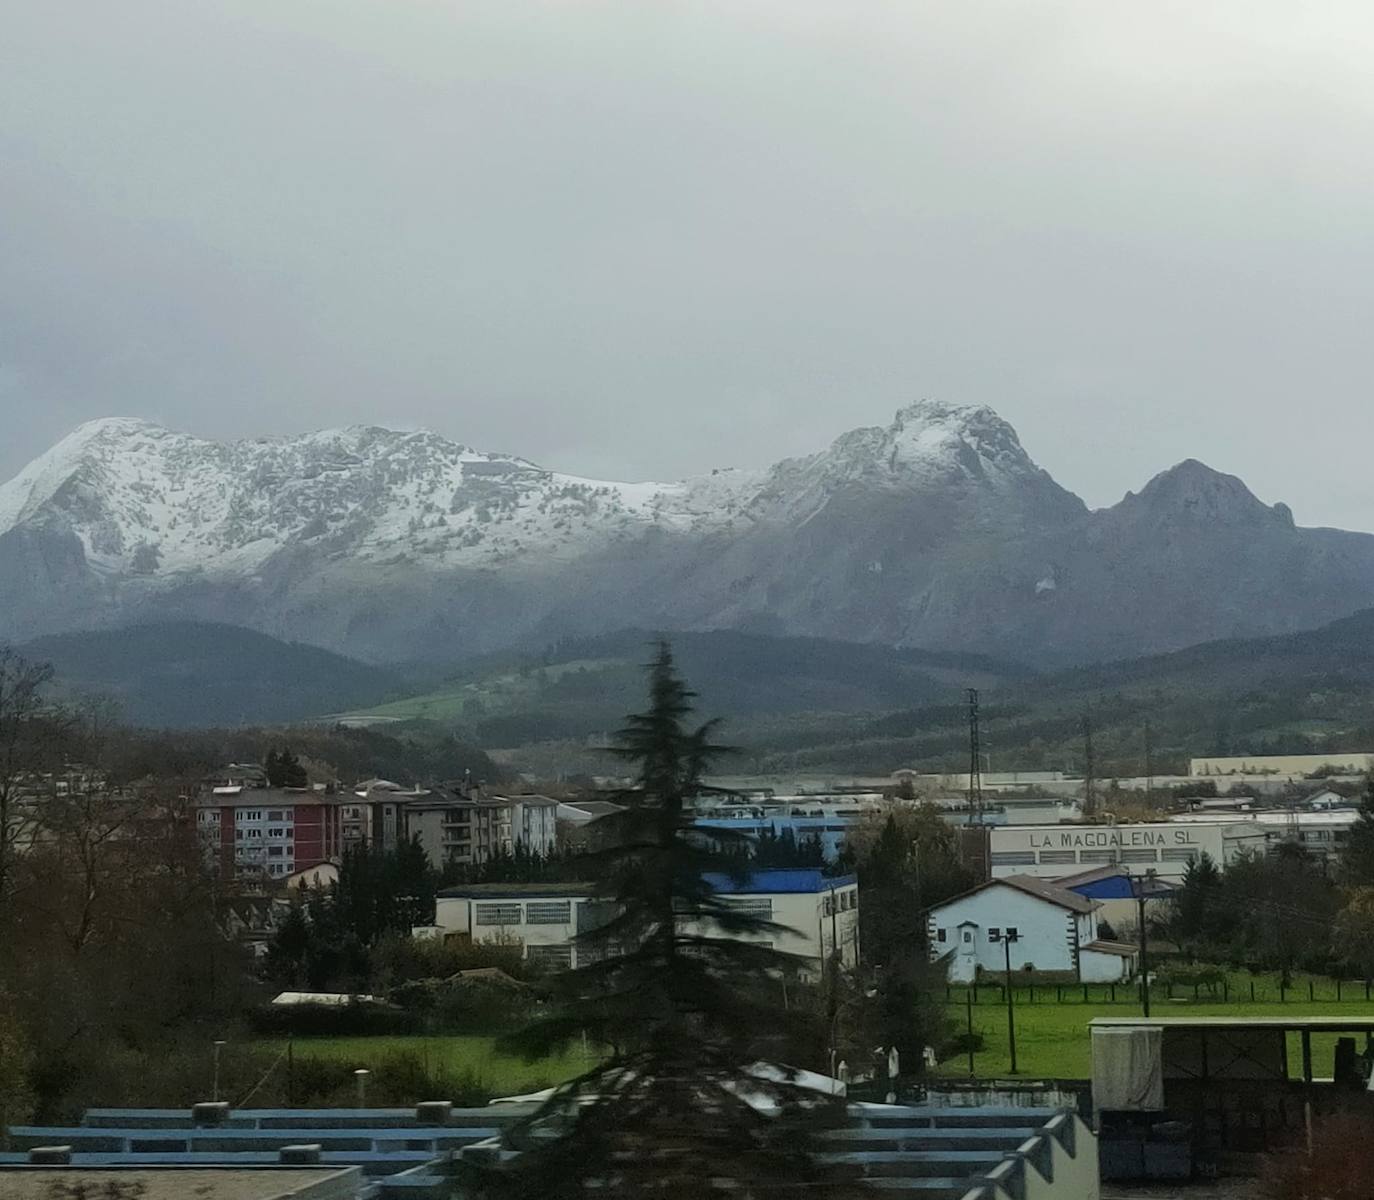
x: 1041, y: 889
x: 779, y: 881
x: 482, y: 891
x: 1298, y: 1023
x: 171, y: 1183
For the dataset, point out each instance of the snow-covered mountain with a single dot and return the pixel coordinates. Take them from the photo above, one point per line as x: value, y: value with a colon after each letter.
x: 937, y: 530
x: 145, y: 500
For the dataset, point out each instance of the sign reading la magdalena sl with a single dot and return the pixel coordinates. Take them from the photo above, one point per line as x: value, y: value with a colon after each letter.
x: 1120, y: 836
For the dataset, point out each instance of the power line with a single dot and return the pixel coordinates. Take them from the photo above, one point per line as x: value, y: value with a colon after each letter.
x: 975, y: 762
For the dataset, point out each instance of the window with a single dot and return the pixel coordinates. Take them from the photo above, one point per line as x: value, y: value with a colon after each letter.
x: 1178, y: 855
x: 275, y: 814
x: 1058, y: 856
x: 1014, y: 858
x: 828, y: 905
x: 1098, y: 856
x: 994, y: 934
x: 497, y: 914
x: 550, y: 958
x: 1139, y: 856
x: 548, y: 912
x: 278, y: 833
x: 1011, y: 932
x: 754, y: 906
x: 968, y: 935
x: 250, y: 814
x: 939, y: 935
x: 275, y: 851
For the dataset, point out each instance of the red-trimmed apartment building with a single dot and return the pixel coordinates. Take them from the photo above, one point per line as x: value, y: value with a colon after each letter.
x: 270, y: 832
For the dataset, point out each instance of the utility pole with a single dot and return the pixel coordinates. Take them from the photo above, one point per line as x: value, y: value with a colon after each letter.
x: 1007, y: 939
x: 1139, y: 883
x: 1149, y: 765
x: 214, y: 1086
x: 975, y: 762
x: 1089, y: 765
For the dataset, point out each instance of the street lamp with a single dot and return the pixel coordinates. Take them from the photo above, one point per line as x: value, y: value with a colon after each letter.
x: 214, y: 1087
x: 1143, y: 886
x: 1008, y: 937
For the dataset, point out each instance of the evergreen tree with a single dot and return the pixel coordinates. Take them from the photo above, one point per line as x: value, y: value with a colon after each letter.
x: 910, y: 865
x: 676, y: 997
x: 1196, y: 921
x: 284, y: 770
x: 1357, y: 859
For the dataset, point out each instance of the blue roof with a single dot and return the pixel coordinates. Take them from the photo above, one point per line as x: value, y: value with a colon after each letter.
x: 780, y: 879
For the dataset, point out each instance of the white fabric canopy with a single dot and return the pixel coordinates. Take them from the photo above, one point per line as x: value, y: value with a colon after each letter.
x: 1127, y: 1071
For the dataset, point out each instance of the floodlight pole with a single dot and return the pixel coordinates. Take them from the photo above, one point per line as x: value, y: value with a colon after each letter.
x: 1007, y: 939
x: 1139, y: 884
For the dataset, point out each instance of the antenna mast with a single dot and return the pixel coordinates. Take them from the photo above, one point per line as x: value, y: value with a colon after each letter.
x: 975, y: 762
x: 1089, y: 765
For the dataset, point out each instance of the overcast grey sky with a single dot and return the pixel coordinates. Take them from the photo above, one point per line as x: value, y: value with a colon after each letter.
x: 643, y: 238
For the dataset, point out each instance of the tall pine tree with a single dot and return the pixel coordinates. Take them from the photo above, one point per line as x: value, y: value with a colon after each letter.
x: 1357, y: 859
x: 679, y: 1000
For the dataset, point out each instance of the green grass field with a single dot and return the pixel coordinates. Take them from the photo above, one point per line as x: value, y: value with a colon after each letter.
x: 1052, y: 1037
x: 477, y: 1057
x: 1051, y: 1033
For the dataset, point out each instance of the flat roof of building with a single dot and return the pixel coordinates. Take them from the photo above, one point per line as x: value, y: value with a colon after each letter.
x: 172, y: 1183
x: 776, y: 881
x: 514, y: 891
x: 1298, y: 1023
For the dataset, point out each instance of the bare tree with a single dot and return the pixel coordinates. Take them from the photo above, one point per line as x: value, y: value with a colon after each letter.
x: 27, y: 738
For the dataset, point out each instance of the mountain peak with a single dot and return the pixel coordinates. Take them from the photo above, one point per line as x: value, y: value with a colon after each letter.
x: 1191, y: 489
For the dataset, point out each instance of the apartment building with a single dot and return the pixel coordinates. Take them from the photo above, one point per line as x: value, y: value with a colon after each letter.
x: 269, y: 833
x: 467, y: 829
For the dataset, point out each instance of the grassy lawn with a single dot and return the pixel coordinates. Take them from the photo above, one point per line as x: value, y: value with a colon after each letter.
x: 474, y: 1056
x: 1052, y: 1037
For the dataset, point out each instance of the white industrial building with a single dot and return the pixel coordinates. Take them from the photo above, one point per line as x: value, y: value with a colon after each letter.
x: 1165, y: 847
x: 1046, y: 927
x: 1295, y: 766
x: 818, y: 913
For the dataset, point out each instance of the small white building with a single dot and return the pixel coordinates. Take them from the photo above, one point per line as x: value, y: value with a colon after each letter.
x: 1050, y: 928
x: 817, y: 912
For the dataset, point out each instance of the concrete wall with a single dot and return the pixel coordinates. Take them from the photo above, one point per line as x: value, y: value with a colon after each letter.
x: 1058, y: 1163
x: 1094, y: 966
x: 815, y: 924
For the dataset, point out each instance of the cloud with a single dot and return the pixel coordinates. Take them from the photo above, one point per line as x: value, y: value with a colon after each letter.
x: 641, y: 240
